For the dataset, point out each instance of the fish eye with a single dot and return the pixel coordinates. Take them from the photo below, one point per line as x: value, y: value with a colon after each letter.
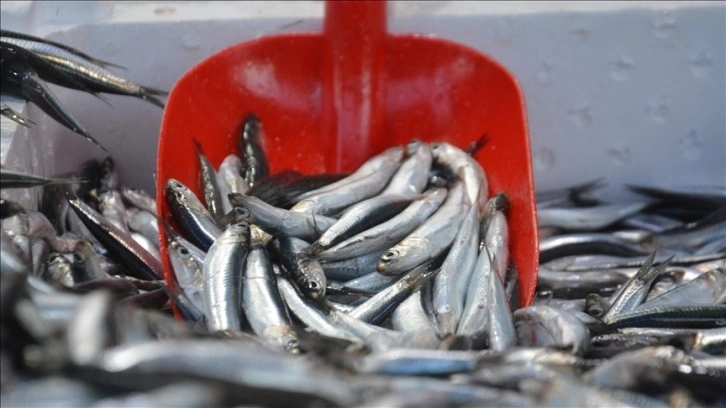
x: 390, y: 255
x: 183, y: 251
x: 595, y: 311
x: 312, y: 285
x: 242, y: 212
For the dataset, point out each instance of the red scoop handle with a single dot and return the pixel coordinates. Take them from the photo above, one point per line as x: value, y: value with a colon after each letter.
x: 353, y: 103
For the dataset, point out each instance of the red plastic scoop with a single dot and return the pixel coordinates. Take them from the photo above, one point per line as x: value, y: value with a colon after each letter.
x: 329, y: 101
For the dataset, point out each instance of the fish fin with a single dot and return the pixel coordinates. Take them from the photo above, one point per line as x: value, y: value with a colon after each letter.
x: 153, y: 100
x: 477, y: 144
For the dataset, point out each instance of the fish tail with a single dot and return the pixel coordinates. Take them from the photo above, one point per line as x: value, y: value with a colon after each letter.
x: 477, y: 144
x: 35, y: 91
x: 152, y: 99
x: 16, y: 117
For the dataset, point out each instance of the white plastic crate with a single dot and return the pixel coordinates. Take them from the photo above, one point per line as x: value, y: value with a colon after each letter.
x: 630, y: 91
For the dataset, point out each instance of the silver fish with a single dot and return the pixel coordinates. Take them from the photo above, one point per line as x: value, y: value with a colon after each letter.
x: 420, y: 245
x: 223, y: 266
x: 544, y: 326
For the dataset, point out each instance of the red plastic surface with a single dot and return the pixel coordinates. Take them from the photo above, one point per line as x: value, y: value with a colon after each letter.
x: 329, y: 101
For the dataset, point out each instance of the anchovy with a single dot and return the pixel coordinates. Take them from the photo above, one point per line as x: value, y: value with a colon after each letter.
x: 711, y: 198
x: 15, y: 179
x: 262, y: 303
x: 208, y: 183
x: 475, y: 317
x: 576, y: 194
x: 250, y: 146
x: 351, y: 268
x: 289, y: 193
x: 544, y: 326
x: 587, y: 219
x: 379, y: 307
x: 223, y: 265
x: 356, y: 188
x: 310, y: 314
x: 418, y: 362
x: 360, y: 217
x: 411, y: 317
x: 12, y: 34
x: 277, y: 221
x: 390, y: 158
x: 306, y: 271
x: 388, y: 233
x: 138, y: 199
x: 682, y: 316
x: 190, y: 215
x: 459, y: 164
x: 89, y: 75
x: 585, y: 244
x: 705, y: 289
x: 450, y: 283
x: 412, y: 176
x: 635, y: 290
x: 502, y: 334
x: 373, y: 282
x: 138, y: 262
x: 420, y: 245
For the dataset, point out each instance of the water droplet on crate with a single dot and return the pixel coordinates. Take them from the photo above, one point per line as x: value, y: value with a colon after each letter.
x: 190, y: 41
x: 544, y: 159
x: 580, y: 116
x: 581, y: 34
x: 545, y: 75
x: 658, y: 109
x: 664, y: 27
x: 622, y: 68
x: 620, y: 156
x: 701, y: 64
x: 692, y: 145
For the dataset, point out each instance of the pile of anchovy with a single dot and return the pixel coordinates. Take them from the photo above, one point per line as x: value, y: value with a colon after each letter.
x: 391, y: 286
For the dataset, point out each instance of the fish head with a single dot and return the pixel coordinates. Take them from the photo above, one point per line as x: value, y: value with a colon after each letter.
x: 404, y: 257
x: 313, y: 282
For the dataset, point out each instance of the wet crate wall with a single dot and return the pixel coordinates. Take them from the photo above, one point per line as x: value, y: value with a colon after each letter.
x: 629, y: 91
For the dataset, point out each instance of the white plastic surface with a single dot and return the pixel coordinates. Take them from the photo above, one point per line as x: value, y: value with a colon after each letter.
x: 630, y: 91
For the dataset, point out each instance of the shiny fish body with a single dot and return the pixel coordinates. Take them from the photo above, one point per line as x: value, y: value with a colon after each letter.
x: 496, y: 240
x: 475, y: 316
x: 544, y: 326
x: 90, y: 75
x: 450, y: 283
x: 309, y: 314
x: 586, y: 219
x: 14, y: 179
x: 357, y: 188
x: 139, y: 199
x: 378, y: 308
x: 388, y: 233
x: 634, y: 291
x: 278, y: 221
x: 502, y: 334
x: 466, y: 169
x: 262, y: 303
x: 705, y: 289
x: 360, y: 217
x: 250, y: 147
x: 306, y: 271
x: 189, y: 213
x: 385, y: 160
x: 223, y: 266
x: 412, y: 176
x: 144, y: 223
x: 138, y: 262
x: 208, y: 183
x: 431, y: 238
x: 411, y: 317
x: 188, y: 272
